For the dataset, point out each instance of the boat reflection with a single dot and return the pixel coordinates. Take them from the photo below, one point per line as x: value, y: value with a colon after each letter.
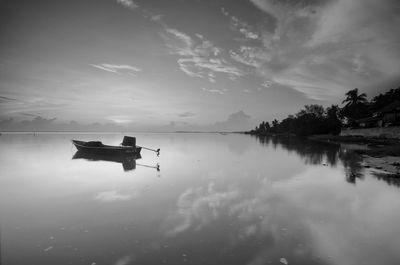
x: 128, y: 161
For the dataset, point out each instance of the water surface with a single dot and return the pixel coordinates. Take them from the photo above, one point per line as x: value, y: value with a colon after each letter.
x: 217, y: 199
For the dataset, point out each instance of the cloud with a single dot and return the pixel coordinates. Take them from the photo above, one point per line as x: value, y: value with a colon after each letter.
x: 348, y: 25
x: 37, y: 106
x: 323, y: 48
x: 120, y: 119
x: 156, y: 17
x: 183, y: 46
x: 242, y: 27
x: 224, y: 11
x: 117, y: 68
x: 39, y: 124
x: 186, y: 114
x: 124, y: 260
x: 315, y: 83
x: 6, y: 99
x: 250, y: 56
x: 267, y: 83
x: 238, y: 121
x: 249, y: 34
x: 220, y: 91
x: 128, y: 3
x: 29, y: 114
x: 211, y: 77
x: 111, y: 196
x: 198, y: 57
x: 197, y: 207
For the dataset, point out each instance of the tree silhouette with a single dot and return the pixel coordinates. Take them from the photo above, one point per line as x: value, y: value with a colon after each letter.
x: 356, y: 106
x: 353, y: 98
x: 315, y: 119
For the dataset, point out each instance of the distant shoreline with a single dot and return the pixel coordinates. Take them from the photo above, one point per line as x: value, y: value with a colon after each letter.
x: 107, y: 132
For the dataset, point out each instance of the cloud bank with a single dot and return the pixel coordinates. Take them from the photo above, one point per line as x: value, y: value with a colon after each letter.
x: 198, y: 57
x: 128, y: 3
x: 323, y: 48
x: 117, y: 68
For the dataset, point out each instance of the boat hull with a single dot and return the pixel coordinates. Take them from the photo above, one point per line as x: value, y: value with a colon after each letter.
x: 106, y: 149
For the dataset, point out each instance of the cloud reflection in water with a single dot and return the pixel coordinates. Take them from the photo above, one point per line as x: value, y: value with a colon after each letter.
x: 304, y: 218
x: 111, y: 196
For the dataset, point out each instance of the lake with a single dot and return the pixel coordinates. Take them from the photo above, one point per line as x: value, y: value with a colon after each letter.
x: 217, y: 199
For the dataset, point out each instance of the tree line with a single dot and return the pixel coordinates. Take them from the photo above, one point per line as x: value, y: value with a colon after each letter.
x: 315, y: 119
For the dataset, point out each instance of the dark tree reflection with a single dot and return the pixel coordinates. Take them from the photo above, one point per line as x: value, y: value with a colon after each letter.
x: 352, y: 165
x: 317, y: 153
x: 391, y: 179
x: 312, y: 152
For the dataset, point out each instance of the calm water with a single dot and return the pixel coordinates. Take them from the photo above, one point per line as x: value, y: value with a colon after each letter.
x: 217, y: 199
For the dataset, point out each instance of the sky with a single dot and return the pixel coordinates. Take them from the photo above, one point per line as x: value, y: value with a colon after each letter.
x: 191, y: 64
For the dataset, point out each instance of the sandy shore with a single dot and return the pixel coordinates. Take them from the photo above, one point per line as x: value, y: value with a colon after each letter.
x: 386, y: 164
x: 381, y: 155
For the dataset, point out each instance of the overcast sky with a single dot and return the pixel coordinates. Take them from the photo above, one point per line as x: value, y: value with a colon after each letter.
x: 159, y: 62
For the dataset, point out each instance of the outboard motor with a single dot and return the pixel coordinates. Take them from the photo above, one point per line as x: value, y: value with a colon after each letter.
x: 129, y: 141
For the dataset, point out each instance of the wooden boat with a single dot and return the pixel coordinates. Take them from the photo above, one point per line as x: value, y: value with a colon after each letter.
x: 96, y: 147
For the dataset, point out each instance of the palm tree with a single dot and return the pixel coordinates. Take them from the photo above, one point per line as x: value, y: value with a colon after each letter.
x: 353, y: 98
x: 356, y: 106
